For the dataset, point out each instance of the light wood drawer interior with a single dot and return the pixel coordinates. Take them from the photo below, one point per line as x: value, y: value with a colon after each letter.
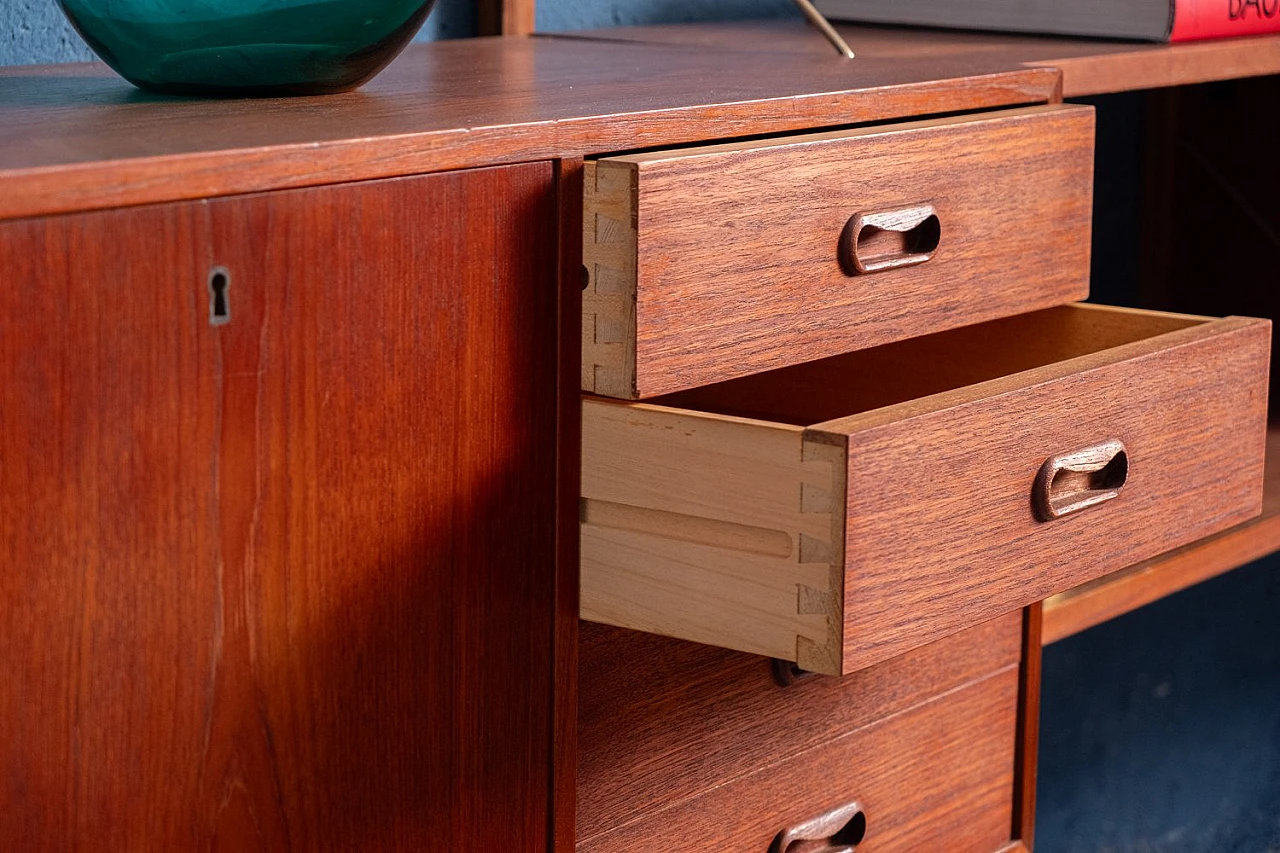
x: 718, y: 261
x: 691, y: 748
x: 844, y: 511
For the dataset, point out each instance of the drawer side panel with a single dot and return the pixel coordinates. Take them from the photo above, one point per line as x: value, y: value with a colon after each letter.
x: 718, y: 530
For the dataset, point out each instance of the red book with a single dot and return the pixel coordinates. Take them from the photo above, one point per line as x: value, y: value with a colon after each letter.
x: 1145, y: 20
x: 1211, y: 19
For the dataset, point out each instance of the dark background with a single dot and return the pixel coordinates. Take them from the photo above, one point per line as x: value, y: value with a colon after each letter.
x: 1160, y: 730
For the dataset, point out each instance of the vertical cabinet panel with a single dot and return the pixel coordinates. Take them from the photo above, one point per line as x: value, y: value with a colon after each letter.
x: 109, y: 594
x: 284, y: 582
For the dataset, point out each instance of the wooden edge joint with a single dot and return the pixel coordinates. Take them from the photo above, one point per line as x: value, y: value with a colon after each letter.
x: 822, y: 491
x: 1026, y: 747
x: 609, y: 253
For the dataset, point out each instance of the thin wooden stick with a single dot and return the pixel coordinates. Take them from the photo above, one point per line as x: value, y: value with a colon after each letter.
x: 820, y: 21
x: 505, y: 17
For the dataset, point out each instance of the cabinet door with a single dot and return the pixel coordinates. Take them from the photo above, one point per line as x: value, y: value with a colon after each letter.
x: 278, y: 565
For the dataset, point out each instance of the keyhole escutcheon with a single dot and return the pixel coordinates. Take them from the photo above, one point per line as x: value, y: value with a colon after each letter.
x: 219, y: 296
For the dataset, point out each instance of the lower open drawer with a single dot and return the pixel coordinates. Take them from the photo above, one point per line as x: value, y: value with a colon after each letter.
x: 840, y: 512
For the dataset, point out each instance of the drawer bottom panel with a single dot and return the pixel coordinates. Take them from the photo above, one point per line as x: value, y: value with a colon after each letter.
x: 936, y: 776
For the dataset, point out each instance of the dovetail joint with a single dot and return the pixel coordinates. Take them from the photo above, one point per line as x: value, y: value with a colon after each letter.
x: 822, y: 495
x: 609, y: 302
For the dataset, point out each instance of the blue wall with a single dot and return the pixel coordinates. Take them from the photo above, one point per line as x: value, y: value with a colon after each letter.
x: 36, y: 32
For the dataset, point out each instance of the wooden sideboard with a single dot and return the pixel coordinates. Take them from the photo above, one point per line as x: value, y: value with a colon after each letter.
x: 289, y: 499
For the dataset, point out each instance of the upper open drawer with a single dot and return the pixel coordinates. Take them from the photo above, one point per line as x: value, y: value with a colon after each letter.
x: 841, y: 512
x: 719, y: 261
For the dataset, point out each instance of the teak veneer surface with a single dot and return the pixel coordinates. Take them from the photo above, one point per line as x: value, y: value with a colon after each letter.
x: 710, y: 262
x: 286, y: 583
x: 663, y: 720
x: 568, y: 487
x: 1088, y: 66
x: 856, y: 383
x: 936, y: 776
x: 75, y: 137
x: 1145, y: 582
x: 844, y: 511
x: 1024, y: 808
x: 505, y: 17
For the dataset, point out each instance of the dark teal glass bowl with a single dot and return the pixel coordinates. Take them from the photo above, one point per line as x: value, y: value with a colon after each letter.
x: 247, y: 47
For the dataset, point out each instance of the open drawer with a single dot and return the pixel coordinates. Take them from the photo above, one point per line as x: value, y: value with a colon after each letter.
x: 710, y: 262
x: 841, y: 512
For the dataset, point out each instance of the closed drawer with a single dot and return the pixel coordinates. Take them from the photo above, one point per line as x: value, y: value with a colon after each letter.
x: 662, y: 721
x: 688, y: 748
x: 841, y: 512
x: 720, y: 261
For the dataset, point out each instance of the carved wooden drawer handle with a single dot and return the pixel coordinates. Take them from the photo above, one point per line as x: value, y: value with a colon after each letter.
x: 838, y: 831
x: 888, y: 239
x: 1078, y: 480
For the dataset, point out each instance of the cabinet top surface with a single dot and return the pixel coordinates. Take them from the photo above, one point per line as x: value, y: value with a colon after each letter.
x: 76, y: 137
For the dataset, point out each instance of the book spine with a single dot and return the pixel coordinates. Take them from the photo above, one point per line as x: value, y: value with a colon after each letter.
x: 1211, y: 19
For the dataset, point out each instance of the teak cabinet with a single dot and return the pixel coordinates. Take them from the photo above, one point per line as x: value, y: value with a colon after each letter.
x: 301, y: 499
x: 251, y: 562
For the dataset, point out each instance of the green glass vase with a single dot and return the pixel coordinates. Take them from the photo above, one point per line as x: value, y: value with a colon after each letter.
x: 247, y: 47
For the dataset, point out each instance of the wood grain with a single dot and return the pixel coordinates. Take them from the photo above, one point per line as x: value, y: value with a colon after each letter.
x: 77, y: 137
x: 1142, y: 583
x: 1025, y: 772
x: 285, y: 583
x: 109, y: 534
x: 663, y: 720
x: 942, y: 437
x: 937, y: 776
x: 505, y: 17
x: 877, y: 241
x: 683, y: 512
x: 717, y: 261
x: 1104, y: 68
x: 609, y: 251
x: 568, y: 486
x: 1190, y: 407
x: 1089, y: 67
x: 1080, y: 479
x: 884, y: 376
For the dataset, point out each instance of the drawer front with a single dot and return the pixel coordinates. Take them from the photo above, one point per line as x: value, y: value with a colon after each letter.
x: 720, y: 261
x: 849, y: 540
x: 937, y: 776
x: 662, y: 720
